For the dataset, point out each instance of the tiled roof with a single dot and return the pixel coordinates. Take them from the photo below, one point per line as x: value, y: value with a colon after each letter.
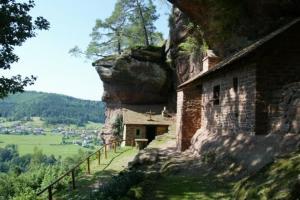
x: 137, y: 115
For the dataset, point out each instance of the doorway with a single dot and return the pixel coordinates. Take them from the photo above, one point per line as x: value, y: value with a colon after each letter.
x: 150, y: 133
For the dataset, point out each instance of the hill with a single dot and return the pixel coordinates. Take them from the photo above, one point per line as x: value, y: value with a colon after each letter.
x: 53, y: 108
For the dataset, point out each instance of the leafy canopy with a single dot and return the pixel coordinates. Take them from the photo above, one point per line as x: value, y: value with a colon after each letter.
x: 130, y: 24
x: 16, y: 26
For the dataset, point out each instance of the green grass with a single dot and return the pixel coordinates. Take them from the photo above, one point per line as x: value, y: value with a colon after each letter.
x: 115, y: 163
x: 173, y: 187
x: 50, y: 144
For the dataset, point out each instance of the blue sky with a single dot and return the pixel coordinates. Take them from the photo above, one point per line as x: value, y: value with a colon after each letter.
x: 46, y: 56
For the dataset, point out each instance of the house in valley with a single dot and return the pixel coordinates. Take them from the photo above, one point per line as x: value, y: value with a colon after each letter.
x: 256, y: 91
x: 144, y: 122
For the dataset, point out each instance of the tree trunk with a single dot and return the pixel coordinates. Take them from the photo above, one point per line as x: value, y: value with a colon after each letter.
x: 119, y: 48
x: 146, y: 37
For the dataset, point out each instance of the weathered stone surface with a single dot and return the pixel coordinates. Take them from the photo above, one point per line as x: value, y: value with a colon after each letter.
x: 187, y: 64
x: 229, y: 26
x: 249, y: 152
x: 140, y: 77
x: 287, y: 118
x: 113, y: 110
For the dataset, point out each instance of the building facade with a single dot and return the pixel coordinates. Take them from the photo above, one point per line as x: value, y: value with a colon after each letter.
x: 246, y: 93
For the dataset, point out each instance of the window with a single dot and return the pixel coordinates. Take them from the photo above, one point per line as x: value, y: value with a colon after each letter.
x: 235, y: 83
x: 216, y: 96
x: 138, y: 132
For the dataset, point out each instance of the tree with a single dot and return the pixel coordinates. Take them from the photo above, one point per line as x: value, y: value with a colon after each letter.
x: 142, y: 15
x: 118, y: 126
x: 16, y: 26
x: 107, y: 35
x: 131, y: 24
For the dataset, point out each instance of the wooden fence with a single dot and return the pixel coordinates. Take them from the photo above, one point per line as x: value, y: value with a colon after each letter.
x: 87, y: 160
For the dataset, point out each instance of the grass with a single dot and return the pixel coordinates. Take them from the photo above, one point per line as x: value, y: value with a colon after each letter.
x: 179, y: 187
x: 86, y: 184
x: 50, y: 144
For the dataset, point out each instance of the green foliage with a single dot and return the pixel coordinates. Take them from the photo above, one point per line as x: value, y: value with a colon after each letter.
x: 53, y: 108
x: 195, y: 42
x: 130, y: 24
x: 118, y: 126
x: 39, y: 171
x: 16, y: 27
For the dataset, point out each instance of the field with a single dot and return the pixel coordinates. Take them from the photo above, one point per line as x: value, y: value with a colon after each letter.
x: 50, y: 144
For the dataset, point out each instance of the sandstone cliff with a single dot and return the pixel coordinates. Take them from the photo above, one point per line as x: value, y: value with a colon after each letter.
x: 139, y: 76
x: 229, y: 25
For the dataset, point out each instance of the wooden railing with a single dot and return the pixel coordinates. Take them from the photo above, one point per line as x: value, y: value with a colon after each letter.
x: 87, y: 160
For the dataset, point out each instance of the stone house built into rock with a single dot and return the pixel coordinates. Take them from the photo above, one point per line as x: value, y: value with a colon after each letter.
x: 137, y: 123
x: 256, y: 91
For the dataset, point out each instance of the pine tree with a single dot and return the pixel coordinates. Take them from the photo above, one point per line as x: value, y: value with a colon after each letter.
x: 141, y: 15
x: 131, y: 24
x: 107, y: 35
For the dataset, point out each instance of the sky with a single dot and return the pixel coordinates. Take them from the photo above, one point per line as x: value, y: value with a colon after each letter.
x: 46, y: 56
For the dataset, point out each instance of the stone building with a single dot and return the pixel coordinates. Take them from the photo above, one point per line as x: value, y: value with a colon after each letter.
x: 256, y: 91
x: 140, y: 124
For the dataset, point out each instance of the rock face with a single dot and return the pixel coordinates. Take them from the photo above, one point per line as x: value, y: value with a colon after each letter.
x: 229, y: 25
x: 249, y: 152
x: 137, y: 77
x: 187, y: 64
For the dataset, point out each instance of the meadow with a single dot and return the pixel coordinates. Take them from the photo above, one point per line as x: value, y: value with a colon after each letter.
x: 49, y: 144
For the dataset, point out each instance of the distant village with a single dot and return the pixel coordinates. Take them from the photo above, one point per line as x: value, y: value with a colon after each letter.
x: 81, y: 137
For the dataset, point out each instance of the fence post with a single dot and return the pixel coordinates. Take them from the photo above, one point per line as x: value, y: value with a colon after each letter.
x: 50, y: 192
x: 73, y: 179
x: 105, y: 151
x: 115, y: 146
x: 88, y: 165
x: 99, y: 157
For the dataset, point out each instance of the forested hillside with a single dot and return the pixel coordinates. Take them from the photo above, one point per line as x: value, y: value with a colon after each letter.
x: 53, y: 108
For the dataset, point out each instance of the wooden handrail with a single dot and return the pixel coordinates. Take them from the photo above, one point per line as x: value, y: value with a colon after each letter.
x: 71, y: 171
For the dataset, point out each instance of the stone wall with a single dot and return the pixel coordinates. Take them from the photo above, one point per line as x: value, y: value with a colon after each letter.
x: 234, y: 114
x: 190, y: 119
x: 130, y: 133
x: 236, y: 110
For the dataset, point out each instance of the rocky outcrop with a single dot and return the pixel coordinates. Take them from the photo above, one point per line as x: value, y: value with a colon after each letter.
x: 136, y: 77
x: 248, y: 152
x: 139, y: 76
x: 186, y: 64
x: 229, y: 25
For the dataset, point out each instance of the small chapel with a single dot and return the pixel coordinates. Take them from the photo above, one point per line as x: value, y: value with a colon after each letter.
x: 144, y: 122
